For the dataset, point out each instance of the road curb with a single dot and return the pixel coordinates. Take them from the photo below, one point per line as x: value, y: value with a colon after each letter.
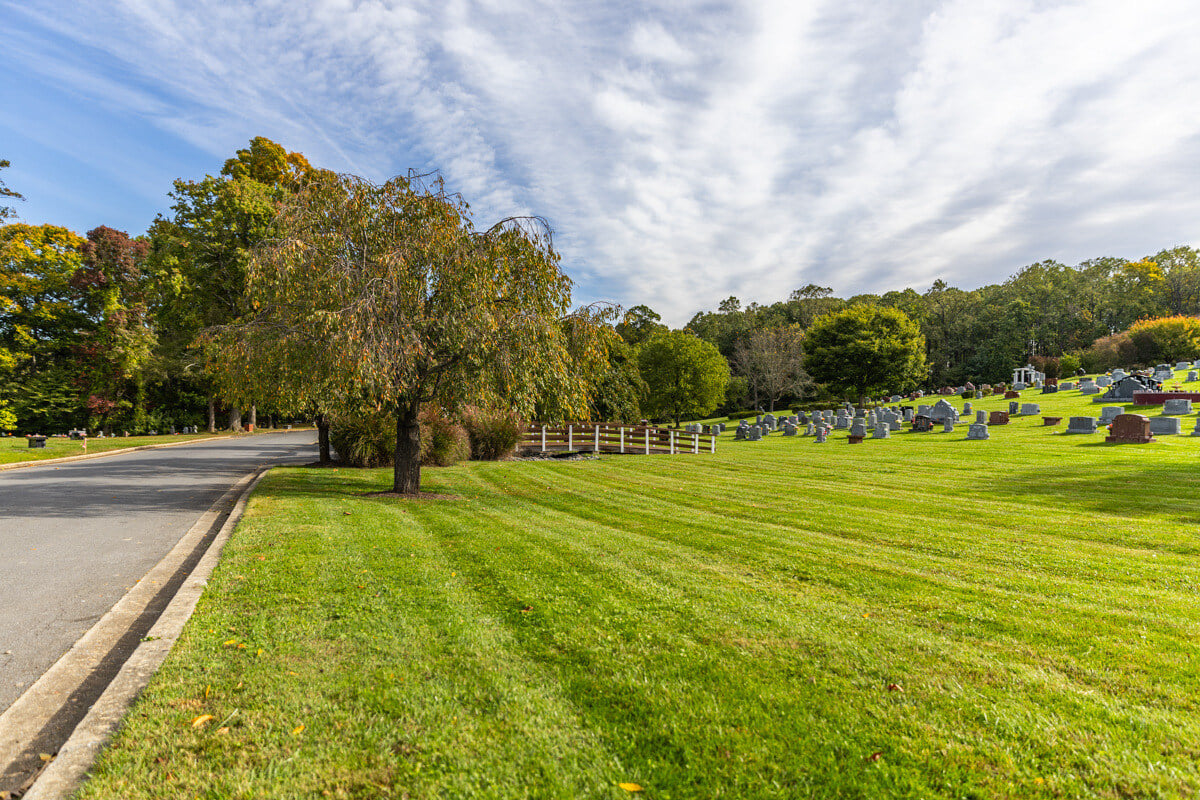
x: 86, y: 456
x: 63, y: 775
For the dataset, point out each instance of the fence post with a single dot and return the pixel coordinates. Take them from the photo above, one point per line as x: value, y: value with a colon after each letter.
x: 695, y: 443
x: 672, y: 438
x: 543, y: 438
x: 622, y: 440
x: 570, y: 437
x: 647, y: 441
x: 714, y: 444
x: 597, y: 439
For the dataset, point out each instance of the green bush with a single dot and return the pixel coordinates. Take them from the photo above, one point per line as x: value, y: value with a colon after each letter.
x: 368, y: 438
x: 493, y: 435
x: 1069, y: 363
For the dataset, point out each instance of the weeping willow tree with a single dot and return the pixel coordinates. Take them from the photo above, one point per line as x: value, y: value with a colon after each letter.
x: 387, y: 296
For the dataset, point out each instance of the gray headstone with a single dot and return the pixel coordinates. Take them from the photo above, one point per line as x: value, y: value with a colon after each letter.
x: 981, y: 417
x: 809, y: 430
x: 1081, y: 425
x: 1109, y: 413
x: 1171, y: 407
x: 858, y: 428
x: 1164, y: 426
x: 948, y: 425
x: 1103, y: 381
x: 1092, y: 389
x: 882, y: 431
x: 789, y: 429
x: 822, y: 435
x: 978, y: 430
x: 1013, y: 407
x: 1030, y: 409
x: 1196, y: 430
x: 1193, y: 376
x: 1066, y: 386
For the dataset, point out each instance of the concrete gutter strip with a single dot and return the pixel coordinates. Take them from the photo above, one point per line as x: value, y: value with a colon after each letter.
x: 63, y: 776
x: 86, y: 456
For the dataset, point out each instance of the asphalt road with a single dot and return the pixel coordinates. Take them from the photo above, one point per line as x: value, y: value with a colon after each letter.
x: 75, y: 537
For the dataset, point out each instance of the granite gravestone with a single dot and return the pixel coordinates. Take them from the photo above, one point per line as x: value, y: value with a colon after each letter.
x: 1130, y: 429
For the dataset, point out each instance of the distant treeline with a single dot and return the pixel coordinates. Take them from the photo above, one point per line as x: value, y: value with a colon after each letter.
x: 1045, y: 310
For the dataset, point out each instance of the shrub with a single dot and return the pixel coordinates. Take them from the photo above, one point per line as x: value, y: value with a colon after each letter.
x: 1068, y: 364
x: 493, y: 434
x: 1107, y: 352
x: 968, y: 394
x: 1051, y: 366
x: 365, y: 439
x: 368, y: 438
x: 1165, y: 339
x: 443, y: 441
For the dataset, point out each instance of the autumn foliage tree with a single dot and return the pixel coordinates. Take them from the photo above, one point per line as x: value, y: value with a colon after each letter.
x: 386, y: 296
x: 113, y: 290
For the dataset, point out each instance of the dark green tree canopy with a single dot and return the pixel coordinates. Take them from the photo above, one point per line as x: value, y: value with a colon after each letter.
x: 865, y: 350
x: 685, y: 375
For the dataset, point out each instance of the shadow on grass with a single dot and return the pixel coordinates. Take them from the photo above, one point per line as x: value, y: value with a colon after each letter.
x: 1134, y: 491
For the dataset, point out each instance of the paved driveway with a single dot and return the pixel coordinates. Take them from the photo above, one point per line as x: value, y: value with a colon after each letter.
x: 75, y: 537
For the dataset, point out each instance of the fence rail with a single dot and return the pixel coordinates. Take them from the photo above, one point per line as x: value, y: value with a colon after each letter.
x: 590, y: 437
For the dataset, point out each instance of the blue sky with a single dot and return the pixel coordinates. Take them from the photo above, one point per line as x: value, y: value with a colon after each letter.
x: 683, y: 151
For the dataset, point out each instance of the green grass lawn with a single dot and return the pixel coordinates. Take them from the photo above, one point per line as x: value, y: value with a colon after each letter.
x: 921, y: 617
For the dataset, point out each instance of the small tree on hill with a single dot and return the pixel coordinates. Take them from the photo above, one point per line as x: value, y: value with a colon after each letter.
x: 386, y: 296
x: 772, y: 361
x: 864, y: 350
x: 685, y: 376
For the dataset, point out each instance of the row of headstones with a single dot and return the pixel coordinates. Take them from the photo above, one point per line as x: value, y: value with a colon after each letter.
x: 82, y: 434
x: 1159, y: 426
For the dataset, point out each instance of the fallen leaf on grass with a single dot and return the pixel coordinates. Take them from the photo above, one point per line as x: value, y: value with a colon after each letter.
x: 229, y: 643
x: 630, y: 787
x: 526, y: 608
x: 878, y: 754
x: 222, y: 731
x: 202, y: 719
x: 298, y: 729
x: 895, y: 687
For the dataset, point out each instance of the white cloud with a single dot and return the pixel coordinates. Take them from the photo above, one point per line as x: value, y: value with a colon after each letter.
x: 685, y: 152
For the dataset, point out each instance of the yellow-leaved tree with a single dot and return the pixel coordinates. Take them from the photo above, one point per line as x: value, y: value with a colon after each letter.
x: 387, y: 297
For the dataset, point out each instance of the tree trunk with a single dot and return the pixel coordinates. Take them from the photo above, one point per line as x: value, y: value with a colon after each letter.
x: 406, y: 470
x: 235, y: 418
x: 323, y: 438
x: 253, y: 417
x: 212, y: 415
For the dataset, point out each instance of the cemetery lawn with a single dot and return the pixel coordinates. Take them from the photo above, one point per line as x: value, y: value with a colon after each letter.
x: 918, y: 617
